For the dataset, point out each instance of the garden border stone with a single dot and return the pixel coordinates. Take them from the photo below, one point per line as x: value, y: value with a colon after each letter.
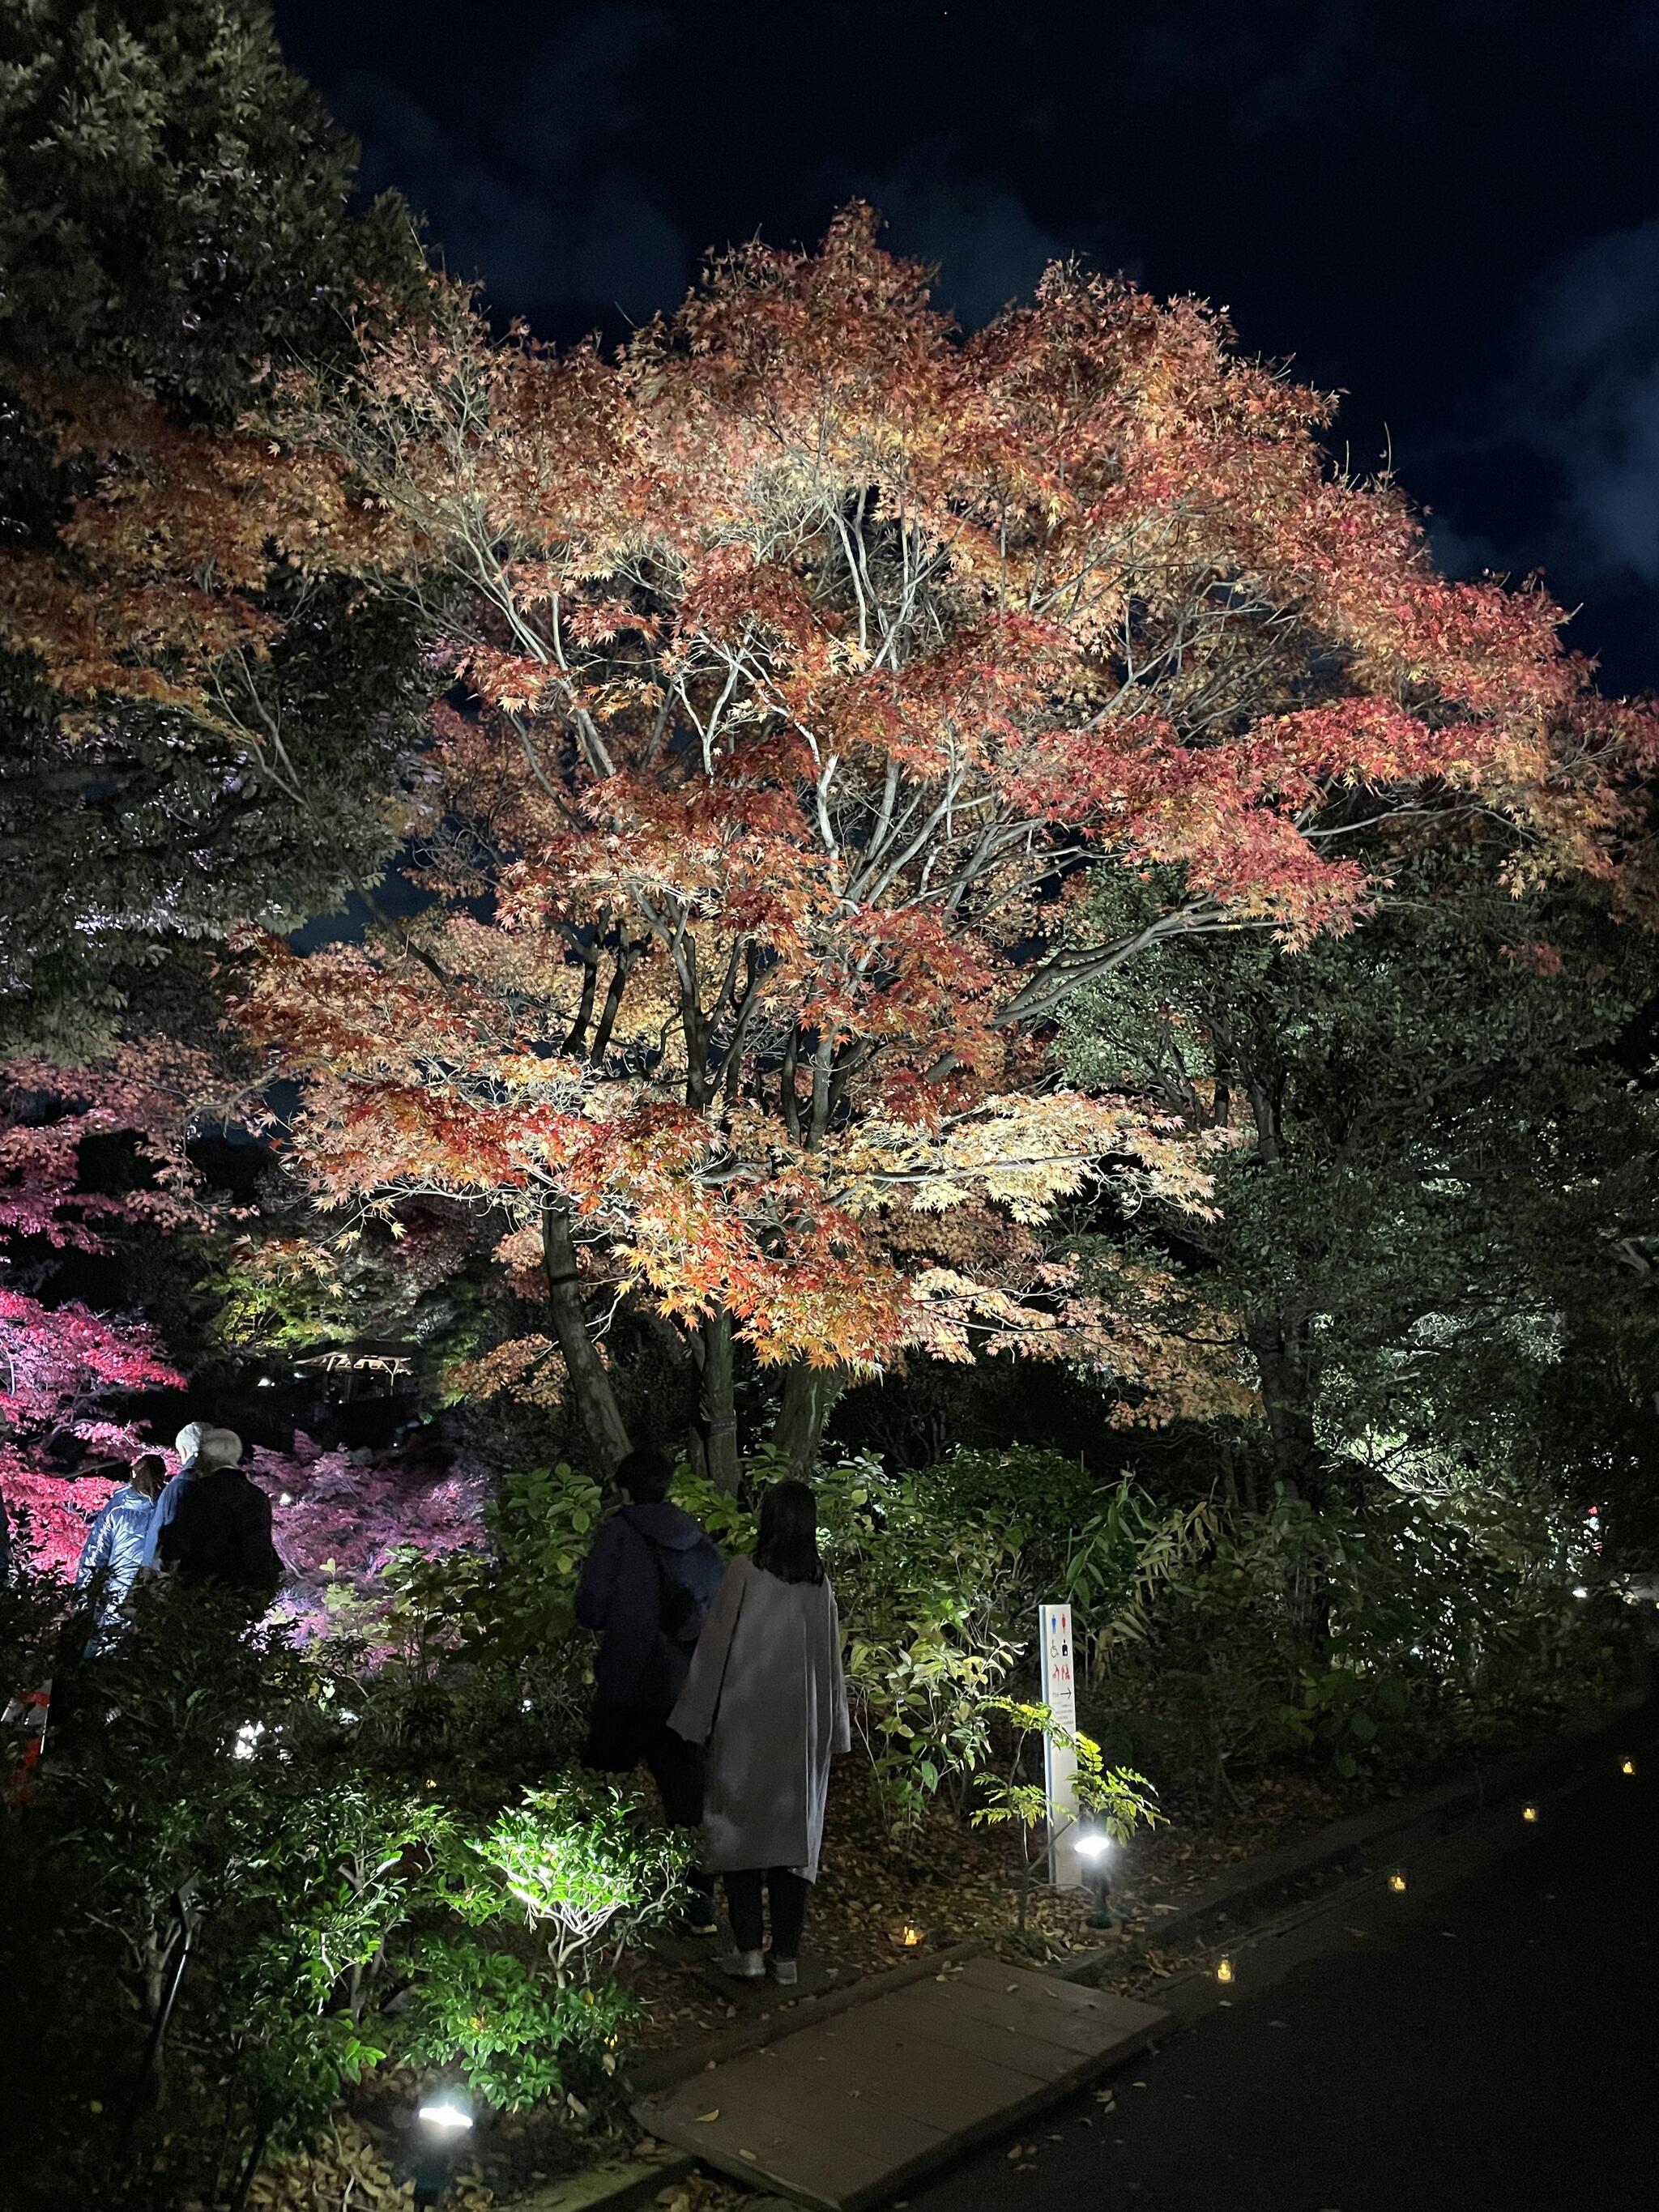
x: 611, y: 2186
x: 616, y: 2184
x: 679, y: 2065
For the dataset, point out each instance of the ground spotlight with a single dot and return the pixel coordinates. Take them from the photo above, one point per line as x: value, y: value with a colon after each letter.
x: 446, y: 2112
x: 445, y: 2115
x: 1093, y: 1849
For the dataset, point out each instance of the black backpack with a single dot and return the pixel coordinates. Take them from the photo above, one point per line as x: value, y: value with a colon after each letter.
x: 680, y: 1612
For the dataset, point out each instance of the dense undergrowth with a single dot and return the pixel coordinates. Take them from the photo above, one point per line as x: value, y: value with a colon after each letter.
x: 392, y: 1859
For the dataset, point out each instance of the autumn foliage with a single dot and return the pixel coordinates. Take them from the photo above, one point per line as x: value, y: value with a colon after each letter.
x: 65, y: 1370
x: 804, y: 665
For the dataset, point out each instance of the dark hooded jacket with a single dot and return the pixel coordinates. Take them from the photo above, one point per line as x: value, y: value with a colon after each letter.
x: 621, y: 1593
x: 220, y: 1532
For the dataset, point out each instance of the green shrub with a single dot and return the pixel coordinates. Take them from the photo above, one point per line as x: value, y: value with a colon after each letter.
x: 1391, y: 1632
x: 517, y: 2037
x: 577, y: 1863
x: 938, y: 1575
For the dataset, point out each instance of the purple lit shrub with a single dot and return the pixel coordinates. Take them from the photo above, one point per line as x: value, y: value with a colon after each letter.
x: 338, y: 1524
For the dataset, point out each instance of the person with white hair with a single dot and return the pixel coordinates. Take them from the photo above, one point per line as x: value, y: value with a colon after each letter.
x: 187, y: 1444
x: 220, y: 1531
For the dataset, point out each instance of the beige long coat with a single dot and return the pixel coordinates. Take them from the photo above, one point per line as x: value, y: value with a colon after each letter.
x: 767, y: 1696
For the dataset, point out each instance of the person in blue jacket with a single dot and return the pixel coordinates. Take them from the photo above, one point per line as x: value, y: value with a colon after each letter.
x: 646, y: 1587
x: 114, y: 1549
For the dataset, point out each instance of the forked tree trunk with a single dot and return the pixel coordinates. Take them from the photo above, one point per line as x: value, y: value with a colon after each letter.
x: 717, y: 1402
x: 809, y: 1396
x: 590, y: 1386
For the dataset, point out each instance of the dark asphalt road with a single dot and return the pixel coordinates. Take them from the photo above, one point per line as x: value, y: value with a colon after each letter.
x: 1496, y: 2044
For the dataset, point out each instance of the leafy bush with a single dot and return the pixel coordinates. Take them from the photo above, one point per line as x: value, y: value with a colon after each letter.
x: 576, y: 1861
x: 516, y: 2036
x: 339, y: 1913
x: 1393, y: 1632
x: 938, y: 1576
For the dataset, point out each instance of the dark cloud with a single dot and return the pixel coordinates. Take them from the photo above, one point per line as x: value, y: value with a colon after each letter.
x: 1593, y: 401
x: 984, y: 241
x: 987, y: 248
x: 528, y: 178
x: 1378, y: 189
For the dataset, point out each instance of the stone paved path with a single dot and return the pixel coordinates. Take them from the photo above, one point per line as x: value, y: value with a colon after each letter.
x: 845, y: 2112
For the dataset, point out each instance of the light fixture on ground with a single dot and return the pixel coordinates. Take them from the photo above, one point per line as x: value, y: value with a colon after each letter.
x: 444, y: 2118
x: 1628, y: 1766
x: 1397, y: 1883
x: 446, y: 2113
x: 1093, y: 1848
x: 1224, y: 1970
x: 1529, y: 1811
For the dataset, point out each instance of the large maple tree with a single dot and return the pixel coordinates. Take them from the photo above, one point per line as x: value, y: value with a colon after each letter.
x: 805, y: 663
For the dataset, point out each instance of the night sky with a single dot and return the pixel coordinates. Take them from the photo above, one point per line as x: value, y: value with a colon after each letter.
x: 1447, y: 211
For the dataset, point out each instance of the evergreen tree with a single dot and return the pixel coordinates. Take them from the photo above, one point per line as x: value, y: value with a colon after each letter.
x: 1441, y: 1156
x: 176, y: 227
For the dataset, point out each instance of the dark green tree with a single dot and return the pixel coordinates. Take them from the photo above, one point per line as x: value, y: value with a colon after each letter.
x: 176, y: 220
x: 1441, y: 1155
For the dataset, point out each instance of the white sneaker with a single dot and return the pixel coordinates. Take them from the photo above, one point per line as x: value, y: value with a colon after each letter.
x: 786, y: 1973
x: 743, y: 1966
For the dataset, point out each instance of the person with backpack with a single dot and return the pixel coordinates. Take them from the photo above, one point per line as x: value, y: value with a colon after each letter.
x: 646, y: 1587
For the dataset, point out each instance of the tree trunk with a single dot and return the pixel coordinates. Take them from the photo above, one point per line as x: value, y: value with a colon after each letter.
x: 1281, y: 1345
x: 1284, y: 1359
x: 596, y: 1401
x: 716, y: 1403
x: 809, y: 1394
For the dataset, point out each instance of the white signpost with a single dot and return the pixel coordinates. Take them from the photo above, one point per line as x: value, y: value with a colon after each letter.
x: 1059, y: 1761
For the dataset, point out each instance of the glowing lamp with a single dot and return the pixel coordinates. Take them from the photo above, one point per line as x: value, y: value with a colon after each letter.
x: 1093, y: 1846
x: 446, y: 2114
x: 1529, y: 1811
x: 1224, y: 1970
x: 910, y: 1937
x: 1397, y: 1884
x: 1628, y: 1766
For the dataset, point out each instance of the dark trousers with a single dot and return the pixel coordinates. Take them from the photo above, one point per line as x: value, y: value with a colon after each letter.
x: 622, y: 1737
x: 786, y: 1895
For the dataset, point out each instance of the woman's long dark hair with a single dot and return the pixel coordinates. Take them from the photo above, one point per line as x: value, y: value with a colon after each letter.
x: 788, y: 1545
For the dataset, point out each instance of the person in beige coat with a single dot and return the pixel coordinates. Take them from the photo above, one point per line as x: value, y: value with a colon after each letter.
x: 767, y: 1696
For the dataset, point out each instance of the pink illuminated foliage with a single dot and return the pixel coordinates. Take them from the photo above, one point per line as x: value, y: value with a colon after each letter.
x: 59, y: 1367
x: 339, y: 1524
x: 63, y: 1369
